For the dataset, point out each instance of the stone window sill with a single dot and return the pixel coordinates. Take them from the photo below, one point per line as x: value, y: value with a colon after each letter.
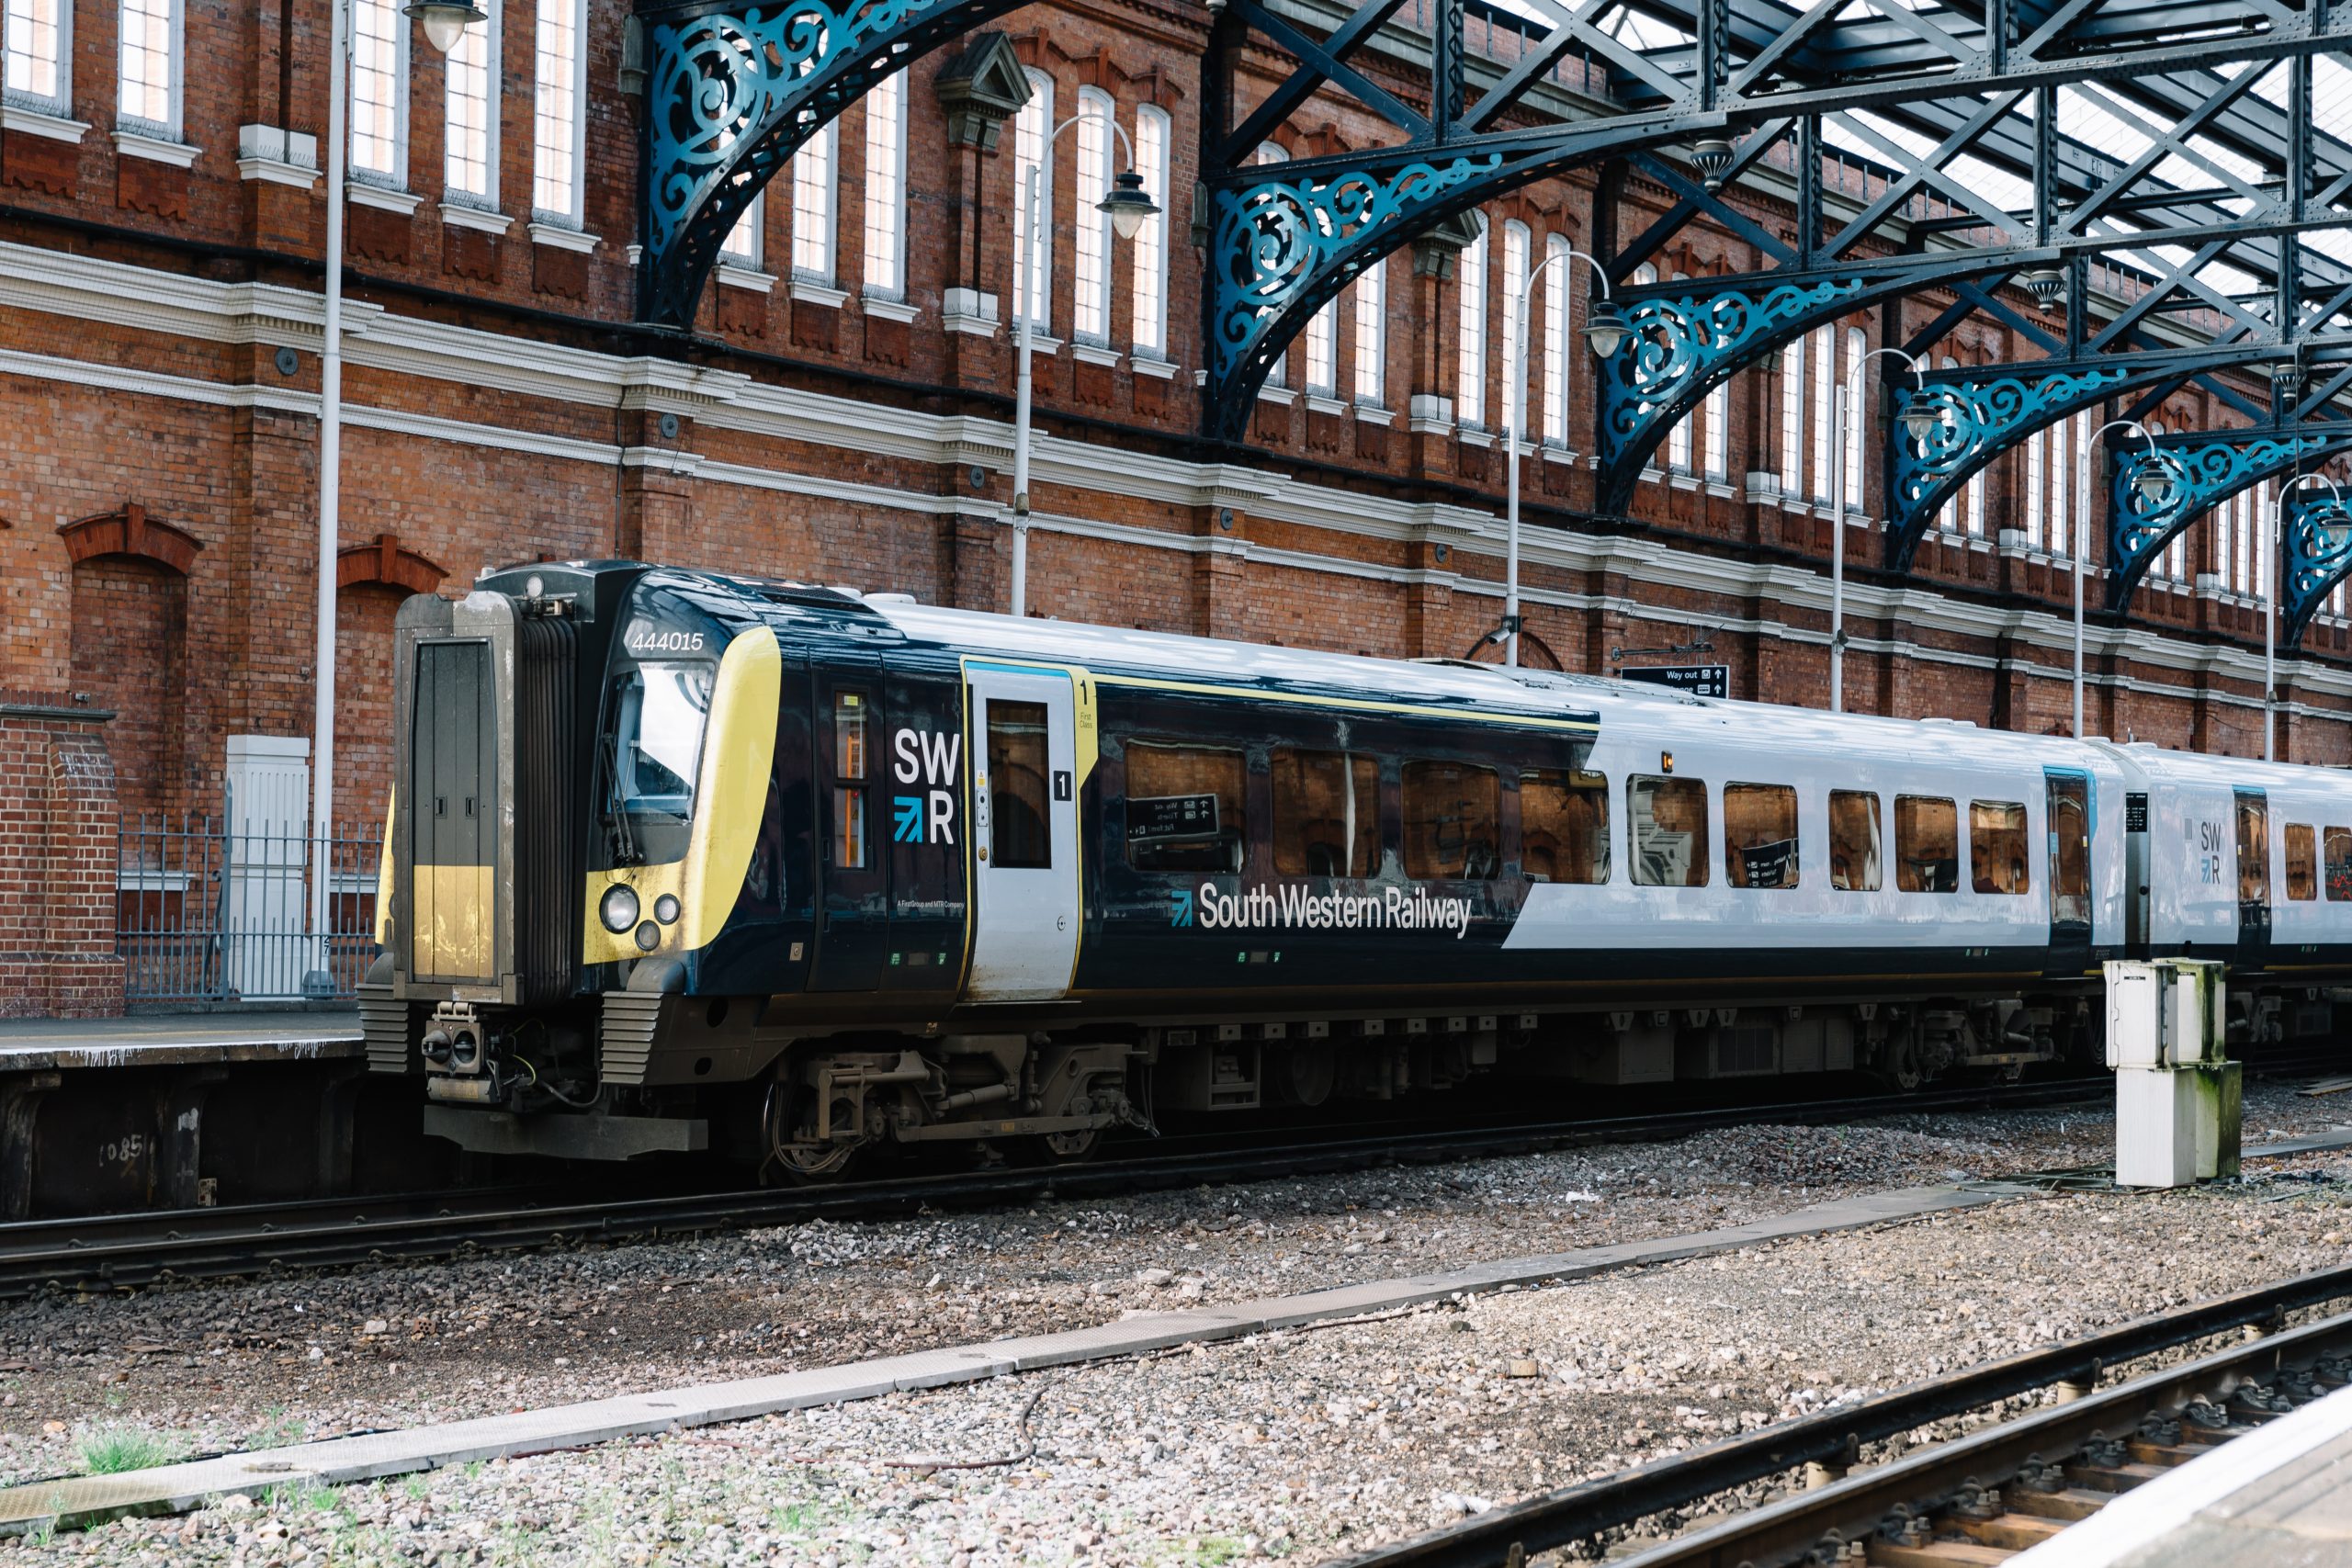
x: 465, y: 215
x: 403, y: 202
x: 1373, y: 413
x: 740, y: 274
x: 1094, y: 354
x: 882, y: 307
x: 42, y: 122
x: 564, y: 238
x: 162, y: 150
x: 811, y: 291
x: 1158, y: 369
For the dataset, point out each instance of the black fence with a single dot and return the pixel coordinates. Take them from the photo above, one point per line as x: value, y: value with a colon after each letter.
x: 210, y: 912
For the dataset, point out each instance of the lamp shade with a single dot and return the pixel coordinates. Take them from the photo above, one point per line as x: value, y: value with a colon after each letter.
x: 1128, y: 205
x: 2154, y: 478
x: 1605, y: 327
x: 1922, y: 414
x: 1711, y: 156
x: 445, y: 21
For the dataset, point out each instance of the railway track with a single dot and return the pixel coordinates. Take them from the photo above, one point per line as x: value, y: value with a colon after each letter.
x: 1968, y: 1502
x: 124, y: 1251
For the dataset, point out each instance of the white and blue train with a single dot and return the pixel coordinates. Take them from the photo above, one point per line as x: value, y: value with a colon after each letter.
x: 681, y: 859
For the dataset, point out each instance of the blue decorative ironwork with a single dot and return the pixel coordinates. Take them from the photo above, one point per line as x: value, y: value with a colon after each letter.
x: 1981, y: 421
x: 2204, y: 470
x: 2318, y: 557
x: 1680, y: 348
x: 734, y: 91
x: 1283, y: 247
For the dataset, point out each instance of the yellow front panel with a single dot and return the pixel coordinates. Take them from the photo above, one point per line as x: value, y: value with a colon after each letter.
x: 450, y: 918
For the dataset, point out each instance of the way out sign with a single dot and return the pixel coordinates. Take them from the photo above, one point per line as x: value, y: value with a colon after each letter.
x: 1698, y: 680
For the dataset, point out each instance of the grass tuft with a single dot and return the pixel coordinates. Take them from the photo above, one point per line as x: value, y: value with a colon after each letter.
x: 114, y: 1447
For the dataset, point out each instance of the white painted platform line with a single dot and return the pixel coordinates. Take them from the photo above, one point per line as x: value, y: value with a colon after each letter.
x: 2138, y: 1524
x: 172, y: 1488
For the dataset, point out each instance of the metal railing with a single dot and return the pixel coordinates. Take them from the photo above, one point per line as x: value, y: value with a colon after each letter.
x: 208, y: 911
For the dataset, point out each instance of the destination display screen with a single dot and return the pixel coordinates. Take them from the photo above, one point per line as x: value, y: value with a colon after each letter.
x: 1160, y: 819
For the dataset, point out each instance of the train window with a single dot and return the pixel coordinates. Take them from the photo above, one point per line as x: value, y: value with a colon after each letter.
x: 660, y: 712
x: 2070, y: 850
x: 1760, y: 835
x: 850, y: 845
x: 2337, y: 845
x: 1184, y: 808
x: 2303, y: 867
x: 1019, y: 792
x: 1326, y: 814
x: 2254, y: 850
x: 1453, y: 822
x: 1853, y: 840
x: 1996, y: 855
x: 1926, y: 844
x: 1563, y: 826
x: 1667, y: 822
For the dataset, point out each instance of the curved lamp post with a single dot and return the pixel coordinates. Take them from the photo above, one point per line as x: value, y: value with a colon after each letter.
x: 1127, y: 205
x: 2270, y: 550
x: 1921, y: 417
x: 2155, y: 478
x: 445, y: 21
x: 1605, y: 328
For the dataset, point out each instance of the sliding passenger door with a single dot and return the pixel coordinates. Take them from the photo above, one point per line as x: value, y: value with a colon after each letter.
x: 2068, y: 823
x: 1025, y: 832
x: 853, y: 908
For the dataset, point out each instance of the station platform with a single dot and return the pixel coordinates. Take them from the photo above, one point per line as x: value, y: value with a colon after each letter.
x: 2280, y: 1497
x: 160, y: 1040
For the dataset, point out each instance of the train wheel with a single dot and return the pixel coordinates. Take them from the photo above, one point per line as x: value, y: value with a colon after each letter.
x: 799, y: 1158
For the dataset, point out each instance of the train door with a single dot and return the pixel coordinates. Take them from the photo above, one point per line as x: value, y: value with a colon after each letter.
x: 2069, y: 831
x: 2135, y: 874
x: 853, y: 908
x: 1024, y: 833
x: 2254, y: 878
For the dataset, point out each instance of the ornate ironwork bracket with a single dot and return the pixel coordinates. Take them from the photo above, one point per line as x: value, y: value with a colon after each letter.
x: 2318, y: 557
x: 2205, y: 471
x: 732, y: 91
x: 1684, y: 346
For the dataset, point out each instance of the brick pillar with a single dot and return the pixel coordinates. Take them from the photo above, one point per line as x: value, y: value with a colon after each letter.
x: 655, y: 517
x: 981, y: 87
x: 974, y: 571
x: 1429, y: 602
x: 1220, y: 572
x: 1430, y: 410
x: 57, y: 864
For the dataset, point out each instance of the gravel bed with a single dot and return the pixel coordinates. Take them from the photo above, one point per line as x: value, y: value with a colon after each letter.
x: 1289, y: 1442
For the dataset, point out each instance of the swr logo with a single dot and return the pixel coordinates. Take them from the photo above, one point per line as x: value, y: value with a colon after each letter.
x: 928, y: 756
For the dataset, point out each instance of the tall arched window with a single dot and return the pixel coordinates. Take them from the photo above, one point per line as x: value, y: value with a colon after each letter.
x: 1792, y: 422
x: 1150, y: 243
x: 1033, y: 286
x: 1678, y: 439
x: 1856, y: 342
x: 1824, y: 391
x: 1371, y: 291
x: 1559, y: 286
x: 1090, y: 306
x: 2061, y: 472
x: 1470, y: 360
x: 1947, y: 514
x: 814, y: 205
x: 1277, y: 373
x: 2037, y: 476
x: 886, y: 188
x: 1518, y: 248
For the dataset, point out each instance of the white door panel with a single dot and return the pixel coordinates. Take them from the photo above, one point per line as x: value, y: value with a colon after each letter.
x: 1025, y: 841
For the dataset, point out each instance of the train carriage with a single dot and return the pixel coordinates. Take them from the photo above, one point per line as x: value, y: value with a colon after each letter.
x: 682, y: 860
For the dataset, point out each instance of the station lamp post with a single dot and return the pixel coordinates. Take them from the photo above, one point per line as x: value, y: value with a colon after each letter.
x: 2155, y: 478
x: 1128, y: 205
x: 2272, y: 549
x: 445, y: 21
x: 1921, y: 416
x: 1605, y: 328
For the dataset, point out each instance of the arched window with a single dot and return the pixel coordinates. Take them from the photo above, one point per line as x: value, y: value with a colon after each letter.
x: 1718, y: 431
x: 1090, y: 309
x: 1032, y: 285
x: 1947, y: 514
x: 1855, y: 342
x: 1825, y: 392
x: 1516, y: 246
x: 1559, y: 287
x: 1278, y: 374
x: 2036, y: 476
x: 1150, y: 243
x: 1678, y: 440
x: 1371, y: 289
x: 886, y: 188
x: 813, y: 193
x: 2062, y: 472
x: 1792, y: 422
x: 1470, y: 363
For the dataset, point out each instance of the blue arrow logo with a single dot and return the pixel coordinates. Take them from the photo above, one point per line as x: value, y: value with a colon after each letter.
x: 906, y: 827
x: 1181, y: 915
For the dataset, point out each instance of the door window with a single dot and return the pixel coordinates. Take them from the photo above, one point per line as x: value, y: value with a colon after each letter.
x: 2254, y: 852
x: 850, y: 848
x: 2302, y: 863
x: 1853, y: 840
x: 1666, y: 819
x: 1926, y: 844
x: 1020, y: 787
x: 1452, y: 821
x: 1996, y: 853
x: 1760, y: 835
x: 1563, y: 826
x: 2338, y: 845
x: 2070, y: 853
x: 1326, y: 814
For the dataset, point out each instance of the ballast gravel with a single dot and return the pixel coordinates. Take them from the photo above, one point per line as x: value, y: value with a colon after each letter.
x: 1289, y: 1445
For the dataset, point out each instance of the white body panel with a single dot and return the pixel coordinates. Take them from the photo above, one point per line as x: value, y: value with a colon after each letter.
x: 1024, y: 936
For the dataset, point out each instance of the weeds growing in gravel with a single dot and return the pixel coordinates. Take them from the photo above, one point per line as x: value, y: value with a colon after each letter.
x: 277, y: 1431
x: 114, y: 1447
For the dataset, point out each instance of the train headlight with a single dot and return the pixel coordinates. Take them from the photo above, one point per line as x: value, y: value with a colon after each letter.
x: 665, y: 909
x: 619, y: 907
x: 649, y: 936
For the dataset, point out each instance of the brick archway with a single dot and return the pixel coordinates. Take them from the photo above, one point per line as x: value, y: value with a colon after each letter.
x: 385, y: 563
x: 129, y: 531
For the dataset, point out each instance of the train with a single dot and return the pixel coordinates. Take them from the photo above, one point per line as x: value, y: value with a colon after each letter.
x: 683, y: 860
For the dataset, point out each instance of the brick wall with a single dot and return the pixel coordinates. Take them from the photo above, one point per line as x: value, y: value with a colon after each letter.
x: 57, y: 867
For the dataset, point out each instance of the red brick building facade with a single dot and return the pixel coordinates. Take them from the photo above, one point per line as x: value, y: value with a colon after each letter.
x: 160, y: 323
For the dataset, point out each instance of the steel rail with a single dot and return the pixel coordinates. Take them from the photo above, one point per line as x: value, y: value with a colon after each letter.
x: 1833, y: 1436
x: 136, y: 1250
